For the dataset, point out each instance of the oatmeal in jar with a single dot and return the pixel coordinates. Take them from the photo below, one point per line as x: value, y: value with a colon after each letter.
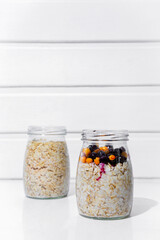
x: 46, y: 167
x: 104, y: 184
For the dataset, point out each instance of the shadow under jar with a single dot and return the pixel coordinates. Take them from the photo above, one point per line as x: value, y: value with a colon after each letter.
x: 46, y: 166
x: 104, y: 182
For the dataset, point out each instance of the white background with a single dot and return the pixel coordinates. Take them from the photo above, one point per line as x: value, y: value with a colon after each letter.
x: 82, y: 64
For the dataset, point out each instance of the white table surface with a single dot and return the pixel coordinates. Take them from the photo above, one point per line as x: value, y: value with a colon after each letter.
x: 24, y: 218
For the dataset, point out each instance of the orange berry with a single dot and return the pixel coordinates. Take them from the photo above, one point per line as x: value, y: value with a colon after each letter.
x: 105, y: 149
x: 87, y: 151
x: 97, y: 160
x: 97, y: 150
x: 82, y: 159
x: 89, y: 160
x: 124, y: 154
x: 112, y: 157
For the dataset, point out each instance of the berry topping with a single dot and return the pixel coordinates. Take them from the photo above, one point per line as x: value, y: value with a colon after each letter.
x: 112, y: 157
x: 123, y: 159
x: 105, y: 149
x: 110, y: 147
x: 122, y: 149
x: 93, y: 155
x: 87, y: 151
x: 101, y: 154
x: 117, y: 152
x: 89, y: 160
x: 93, y: 147
x: 82, y: 159
x: 97, y: 160
x: 97, y: 150
x: 104, y: 159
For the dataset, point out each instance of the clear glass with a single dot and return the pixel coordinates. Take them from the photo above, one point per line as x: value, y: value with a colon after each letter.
x: 46, y: 165
x: 104, y: 182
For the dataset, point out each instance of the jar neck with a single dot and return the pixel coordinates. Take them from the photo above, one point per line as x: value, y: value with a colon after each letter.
x: 104, y: 135
x: 37, y: 133
x: 46, y: 131
x: 46, y: 138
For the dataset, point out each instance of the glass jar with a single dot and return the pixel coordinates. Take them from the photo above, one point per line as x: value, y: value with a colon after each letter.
x: 104, y: 182
x: 46, y: 165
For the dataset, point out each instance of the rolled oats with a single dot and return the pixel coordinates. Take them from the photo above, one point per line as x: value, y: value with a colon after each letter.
x: 110, y: 196
x: 46, y: 169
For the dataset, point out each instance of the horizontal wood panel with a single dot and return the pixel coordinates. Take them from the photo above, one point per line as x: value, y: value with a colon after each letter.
x: 79, y: 64
x: 143, y: 147
x: 78, y: 108
x: 79, y: 20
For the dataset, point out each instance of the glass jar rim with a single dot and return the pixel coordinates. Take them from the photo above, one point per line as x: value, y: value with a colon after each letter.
x: 105, y: 135
x: 47, y: 130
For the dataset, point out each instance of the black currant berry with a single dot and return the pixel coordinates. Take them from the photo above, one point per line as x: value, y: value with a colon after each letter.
x: 93, y: 147
x: 110, y: 147
x: 117, y: 152
x: 101, y: 154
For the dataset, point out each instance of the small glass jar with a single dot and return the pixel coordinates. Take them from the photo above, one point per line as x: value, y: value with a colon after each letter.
x: 104, y: 182
x: 46, y: 166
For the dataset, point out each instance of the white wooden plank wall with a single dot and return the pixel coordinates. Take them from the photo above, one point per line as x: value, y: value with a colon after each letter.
x: 79, y: 20
x: 83, y: 64
x: 79, y: 64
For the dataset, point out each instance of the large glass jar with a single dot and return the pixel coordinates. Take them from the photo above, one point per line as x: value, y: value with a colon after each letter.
x: 46, y: 165
x: 104, y: 182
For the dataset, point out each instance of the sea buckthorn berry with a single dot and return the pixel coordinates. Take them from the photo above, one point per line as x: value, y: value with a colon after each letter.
x: 89, y: 160
x: 82, y: 159
x: 97, y: 150
x: 105, y: 149
x: 112, y: 157
x: 124, y: 154
x: 97, y: 160
x: 87, y: 151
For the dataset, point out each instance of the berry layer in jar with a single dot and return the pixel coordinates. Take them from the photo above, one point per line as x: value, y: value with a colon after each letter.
x: 105, y: 154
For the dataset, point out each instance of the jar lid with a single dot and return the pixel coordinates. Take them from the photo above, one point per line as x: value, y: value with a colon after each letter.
x: 105, y: 135
x: 46, y: 130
